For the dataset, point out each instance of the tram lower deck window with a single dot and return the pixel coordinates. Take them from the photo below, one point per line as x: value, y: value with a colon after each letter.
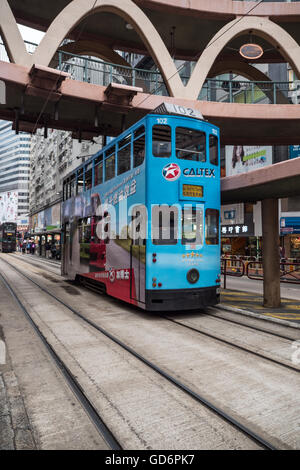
x: 192, y: 226
x: 164, y: 225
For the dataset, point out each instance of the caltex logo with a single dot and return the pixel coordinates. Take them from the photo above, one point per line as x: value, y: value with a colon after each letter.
x: 171, y: 172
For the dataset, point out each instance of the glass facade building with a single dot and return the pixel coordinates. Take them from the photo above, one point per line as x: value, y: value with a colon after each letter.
x: 14, y: 173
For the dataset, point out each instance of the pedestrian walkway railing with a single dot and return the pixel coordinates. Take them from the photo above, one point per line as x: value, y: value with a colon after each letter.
x: 289, y: 272
x: 232, y: 267
x: 252, y: 267
x: 99, y: 72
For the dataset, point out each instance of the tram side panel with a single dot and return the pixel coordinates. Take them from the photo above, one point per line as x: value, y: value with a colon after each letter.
x: 113, y: 260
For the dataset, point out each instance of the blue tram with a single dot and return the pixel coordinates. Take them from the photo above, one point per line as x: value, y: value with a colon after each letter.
x: 141, y: 217
x: 8, y: 234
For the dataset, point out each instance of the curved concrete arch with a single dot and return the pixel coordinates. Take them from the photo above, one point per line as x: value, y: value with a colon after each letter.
x: 77, y: 10
x: 262, y: 27
x: 90, y: 48
x: 249, y: 72
x: 11, y: 35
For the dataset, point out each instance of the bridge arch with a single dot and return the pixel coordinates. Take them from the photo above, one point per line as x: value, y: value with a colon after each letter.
x: 262, y: 27
x: 77, y: 10
x: 11, y: 35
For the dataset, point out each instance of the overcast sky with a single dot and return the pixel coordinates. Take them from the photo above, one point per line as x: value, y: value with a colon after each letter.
x: 31, y: 35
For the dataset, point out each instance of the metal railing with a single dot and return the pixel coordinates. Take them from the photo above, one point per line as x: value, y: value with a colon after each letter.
x: 289, y: 272
x: 238, y: 266
x: 98, y: 72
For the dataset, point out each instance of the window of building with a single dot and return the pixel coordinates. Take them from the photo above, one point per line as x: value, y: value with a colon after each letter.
x: 139, y: 146
x: 212, y: 226
x: 213, y: 149
x: 161, y: 141
x: 190, y: 144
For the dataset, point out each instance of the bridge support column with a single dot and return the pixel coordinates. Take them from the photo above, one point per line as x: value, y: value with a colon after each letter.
x: 271, y: 262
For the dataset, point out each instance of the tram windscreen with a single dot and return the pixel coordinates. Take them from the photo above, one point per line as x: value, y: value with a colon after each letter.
x: 190, y: 144
x: 192, y: 226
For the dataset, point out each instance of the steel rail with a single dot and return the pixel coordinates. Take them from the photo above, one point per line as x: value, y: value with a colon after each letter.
x: 229, y: 343
x: 236, y: 424
x: 251, y: 326
x: 88, y: 407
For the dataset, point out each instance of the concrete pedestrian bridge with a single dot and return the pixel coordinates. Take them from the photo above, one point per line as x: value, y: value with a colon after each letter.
x: 205, y: 34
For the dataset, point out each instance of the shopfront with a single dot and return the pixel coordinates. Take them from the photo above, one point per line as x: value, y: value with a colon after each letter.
x: 237, y: 231
x: 46, y: 232
x: 290, y: 235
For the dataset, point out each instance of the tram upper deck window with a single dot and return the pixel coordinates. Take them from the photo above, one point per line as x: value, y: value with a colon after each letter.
x: 212, y: 226
x: 161, y: 141
x: 98, y: 170
x: 79, y: 181
x: 72, y: 192
x: 213, y: 149
x: 192, y: 226
x: 139, y: 146
x: 124, y: 155
x: 190, y: 144
x: 65, y: 190
x: 110, y: 167
x: 88, y: 176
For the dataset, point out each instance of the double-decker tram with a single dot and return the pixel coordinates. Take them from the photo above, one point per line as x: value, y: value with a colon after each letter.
x: 8, y: 234
x: 141, y: 217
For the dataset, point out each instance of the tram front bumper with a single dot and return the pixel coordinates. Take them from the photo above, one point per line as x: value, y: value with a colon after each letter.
x: 182, y: 299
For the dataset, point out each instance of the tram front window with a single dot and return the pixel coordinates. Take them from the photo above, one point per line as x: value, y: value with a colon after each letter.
x: 190, y: 144
x: 192, y: 226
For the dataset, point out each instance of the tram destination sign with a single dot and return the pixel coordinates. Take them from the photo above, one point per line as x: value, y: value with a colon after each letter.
x: 170, y: 108
x: 192, y: 190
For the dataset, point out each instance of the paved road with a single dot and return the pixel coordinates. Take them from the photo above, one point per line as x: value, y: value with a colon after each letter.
x: 288, y: 291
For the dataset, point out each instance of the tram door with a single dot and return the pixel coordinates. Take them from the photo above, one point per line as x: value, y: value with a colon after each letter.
x: 138, y: 269
x: 66, y: 248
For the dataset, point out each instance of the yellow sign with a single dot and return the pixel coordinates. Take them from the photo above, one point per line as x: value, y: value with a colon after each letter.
x: 191, y: 190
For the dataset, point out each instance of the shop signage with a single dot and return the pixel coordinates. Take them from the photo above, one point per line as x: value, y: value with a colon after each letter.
x: 251, y: 51
x: 289, y: 225
x: 235, y: 230
x: 294, y: 151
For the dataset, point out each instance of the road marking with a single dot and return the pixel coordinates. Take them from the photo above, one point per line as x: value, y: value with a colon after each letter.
x: 2, y: 352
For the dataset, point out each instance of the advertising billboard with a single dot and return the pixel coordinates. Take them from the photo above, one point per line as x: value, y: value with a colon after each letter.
x: 243, y: 158
x: 9, y: 206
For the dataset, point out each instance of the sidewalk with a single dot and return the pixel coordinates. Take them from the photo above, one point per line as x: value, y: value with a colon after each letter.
x: 253, y: 302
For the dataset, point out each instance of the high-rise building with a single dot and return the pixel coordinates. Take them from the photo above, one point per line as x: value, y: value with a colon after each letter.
x: 14, y: 174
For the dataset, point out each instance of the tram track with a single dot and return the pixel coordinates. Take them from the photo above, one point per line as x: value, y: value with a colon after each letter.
x: 247, y: 431
x: 82, y: 398
x: 230, y: 343
x: 247, y: 325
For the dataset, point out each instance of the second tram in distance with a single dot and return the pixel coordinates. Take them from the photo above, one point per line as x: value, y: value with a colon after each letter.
x: 8, y: 236
x: 141, y: 217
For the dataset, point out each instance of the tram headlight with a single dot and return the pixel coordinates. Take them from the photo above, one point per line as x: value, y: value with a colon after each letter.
x: 193, y: 276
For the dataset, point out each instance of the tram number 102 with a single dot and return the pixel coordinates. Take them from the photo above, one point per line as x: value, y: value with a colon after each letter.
x: 171, y: 108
